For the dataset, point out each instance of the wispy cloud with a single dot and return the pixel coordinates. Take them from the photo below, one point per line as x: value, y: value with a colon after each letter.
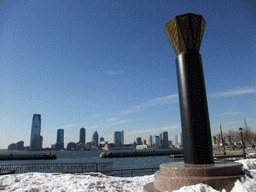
x: 112, y: 119
x: 174, y: 98
x: 154, y: 131
x: 66, y: 126
x: 109, y: 122
x: 92, y: 127
x: 111, y: 72
x: 158, y: 101
x: 230, y: 113
x: 105, y: 123
x: 97, y: 115
x: 238, y: 91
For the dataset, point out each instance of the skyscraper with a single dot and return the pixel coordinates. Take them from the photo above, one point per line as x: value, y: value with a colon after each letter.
x: 155, y: 141
x: 36, y: 140
x: 181, y: 139
x: 95, y: 139
x: 176, y: 140
x: 122, y: 137
x: 101, y: 139
x: 163, y: 137
x: 150, y: 140
x: 118, y: 137
x: 60, y: 139
x: 82, y: 135
x: 138, y: 141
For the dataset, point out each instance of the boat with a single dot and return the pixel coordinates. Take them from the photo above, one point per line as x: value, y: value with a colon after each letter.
x: 6, y: 172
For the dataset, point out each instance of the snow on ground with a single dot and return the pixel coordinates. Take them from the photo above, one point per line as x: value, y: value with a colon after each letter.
x: 97, y: 182
x: 35, y: 182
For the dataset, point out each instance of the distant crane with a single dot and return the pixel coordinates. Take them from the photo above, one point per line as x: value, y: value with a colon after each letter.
x: 245, y: 124
x: 222, y: 140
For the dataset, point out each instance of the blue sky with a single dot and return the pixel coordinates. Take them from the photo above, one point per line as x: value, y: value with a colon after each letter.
x: 107, y: 65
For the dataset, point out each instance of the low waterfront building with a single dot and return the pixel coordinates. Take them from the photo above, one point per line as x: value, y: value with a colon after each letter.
x: 142, y: 147
x: 113, y: 146
x: 71, y: 146
x: 16, y: 146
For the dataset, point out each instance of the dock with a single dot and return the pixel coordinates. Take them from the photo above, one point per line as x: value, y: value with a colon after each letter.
x: 140, y: 153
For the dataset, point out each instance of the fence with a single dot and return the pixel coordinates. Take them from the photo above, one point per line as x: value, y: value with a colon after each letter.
x: 59, y: 167
x: 132, y: 172
x: 105, y: 168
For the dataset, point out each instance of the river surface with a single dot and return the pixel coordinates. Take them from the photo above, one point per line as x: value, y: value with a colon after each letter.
x: 90, y: 156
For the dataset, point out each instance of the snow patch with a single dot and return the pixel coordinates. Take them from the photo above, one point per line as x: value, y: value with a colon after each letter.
x: 97, y: 182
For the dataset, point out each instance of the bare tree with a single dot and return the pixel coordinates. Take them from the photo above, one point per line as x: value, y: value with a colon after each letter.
x: 248, y: 135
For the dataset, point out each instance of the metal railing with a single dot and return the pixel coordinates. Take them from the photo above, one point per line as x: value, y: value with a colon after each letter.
x: 59, y: 167
x: 102, y: 167
x: 132, y: 172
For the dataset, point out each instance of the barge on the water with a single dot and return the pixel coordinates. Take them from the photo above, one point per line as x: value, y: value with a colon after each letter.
x: 27, y: 157
x: 6, y: 172
x: 142, y: 153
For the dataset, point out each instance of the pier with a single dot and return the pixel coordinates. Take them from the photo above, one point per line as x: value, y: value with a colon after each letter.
x: 27, y: 157
x: 140, y: 153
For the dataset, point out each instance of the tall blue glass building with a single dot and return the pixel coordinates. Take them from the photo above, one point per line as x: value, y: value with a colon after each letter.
x: 60, y: 139
x: 155, y: 141
x: 36, y: 140
x: 82, y: 135
x: 118, y: 137
x: 95, y: 139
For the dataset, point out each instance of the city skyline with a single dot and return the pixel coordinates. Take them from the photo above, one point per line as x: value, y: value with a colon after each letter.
x: 160, y: 140
x: 118, y: 138
x: 108, y: 65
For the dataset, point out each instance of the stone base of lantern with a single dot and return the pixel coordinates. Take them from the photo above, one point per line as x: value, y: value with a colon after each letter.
x: 173, y: 176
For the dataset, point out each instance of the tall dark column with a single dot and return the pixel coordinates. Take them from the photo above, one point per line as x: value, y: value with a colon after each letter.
x: 195, y: 123
x: 185, y: 34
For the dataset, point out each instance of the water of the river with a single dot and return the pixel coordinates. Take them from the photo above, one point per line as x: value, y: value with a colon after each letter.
x: 90, y: 156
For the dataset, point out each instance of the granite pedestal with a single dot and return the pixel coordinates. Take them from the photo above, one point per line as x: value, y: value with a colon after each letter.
x: 173, y: 176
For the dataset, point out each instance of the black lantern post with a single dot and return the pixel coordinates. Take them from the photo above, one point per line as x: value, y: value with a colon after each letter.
x: 241, y: 132
x: 185, y: 33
